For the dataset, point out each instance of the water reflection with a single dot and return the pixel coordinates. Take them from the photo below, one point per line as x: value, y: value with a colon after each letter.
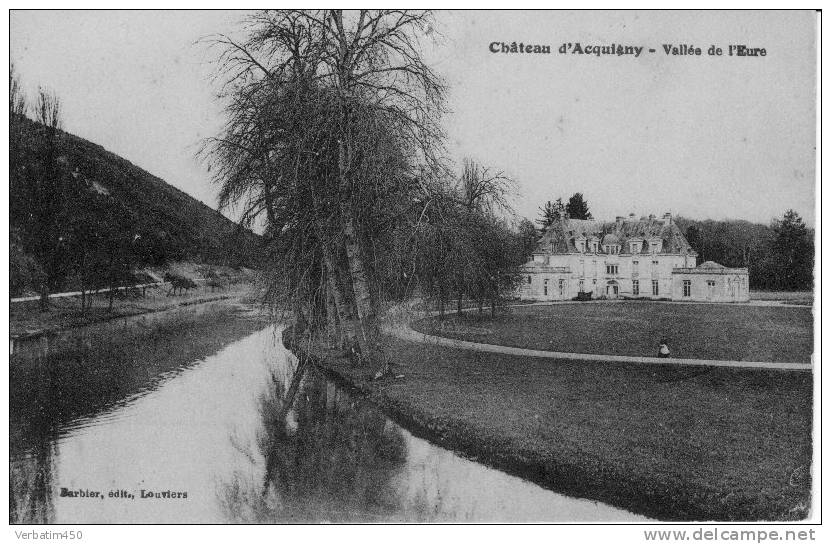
x: 333, y: 458
x: 330, y: 459
x: 68, y: 380
x: 216, y: 429
x: 31, y: 476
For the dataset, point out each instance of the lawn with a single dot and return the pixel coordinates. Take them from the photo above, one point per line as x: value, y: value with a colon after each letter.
x: 697, y: 331
x: 805, y: 298
x: 672, y: 443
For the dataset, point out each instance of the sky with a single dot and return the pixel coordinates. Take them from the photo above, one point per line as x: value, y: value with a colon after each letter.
x: 698, y: 136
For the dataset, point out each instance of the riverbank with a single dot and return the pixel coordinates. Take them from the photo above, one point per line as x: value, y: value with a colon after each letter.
x: 78, y: 373
x: 27, y: 321
x: 670, y: 443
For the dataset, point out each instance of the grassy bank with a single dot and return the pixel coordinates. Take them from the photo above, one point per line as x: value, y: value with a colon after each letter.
x: 697, y: 331
x: 667, y: 442
x: 26, y: 319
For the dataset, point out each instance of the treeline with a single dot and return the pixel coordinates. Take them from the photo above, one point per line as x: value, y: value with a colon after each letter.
x: 467, y: 247
x: 84, y: 218
x: 778, y: 256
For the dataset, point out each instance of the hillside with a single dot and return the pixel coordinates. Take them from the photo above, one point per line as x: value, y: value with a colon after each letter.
x: 97, y: 193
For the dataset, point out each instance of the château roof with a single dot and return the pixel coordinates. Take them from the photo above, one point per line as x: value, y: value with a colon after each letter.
x: 560, y: 237
x: 610, y: 239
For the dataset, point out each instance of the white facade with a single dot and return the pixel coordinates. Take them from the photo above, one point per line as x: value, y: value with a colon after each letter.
x: 563, y: 276
x: 710, y: 282
x: 632, y: 258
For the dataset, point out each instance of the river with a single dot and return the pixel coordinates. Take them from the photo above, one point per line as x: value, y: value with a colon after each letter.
x: 205, y: 443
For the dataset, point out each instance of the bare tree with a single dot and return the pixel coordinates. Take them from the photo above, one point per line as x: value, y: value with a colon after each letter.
x: 18, y: 104
x: 482, y: 194
x: 47, y: 202
x: 48, y: 111
x: 333, y: 125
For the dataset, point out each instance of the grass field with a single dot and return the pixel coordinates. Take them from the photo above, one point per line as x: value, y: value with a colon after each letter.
x: 672, y: 443
x: 698, y: 331
x: 805, y: 298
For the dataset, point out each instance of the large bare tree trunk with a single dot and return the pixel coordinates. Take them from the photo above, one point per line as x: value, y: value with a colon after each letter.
x: 357, y: 270
x: 337, y: 310
x: 333, y: 333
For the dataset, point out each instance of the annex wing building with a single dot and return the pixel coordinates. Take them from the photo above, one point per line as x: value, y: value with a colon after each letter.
x: 645, y: 257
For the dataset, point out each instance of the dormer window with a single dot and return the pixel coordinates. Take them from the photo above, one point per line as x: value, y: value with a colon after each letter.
x: 581, y: 246
x: 635, y: 246
x: 655, y: 245
x: 594, y: 247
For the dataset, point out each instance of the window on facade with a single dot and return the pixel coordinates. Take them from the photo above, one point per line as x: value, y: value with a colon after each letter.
x: 580, y: 286
x: 529, y: 280
x: 611, y: 269
x: 636, y: 287
x: 545, y: 287
x: 711, y: 284
x: 655, y: 288
x: 687, y: 288
x: 654, y: 263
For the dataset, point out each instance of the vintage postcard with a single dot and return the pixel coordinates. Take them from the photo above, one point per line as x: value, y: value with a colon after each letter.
x: 390, y: 266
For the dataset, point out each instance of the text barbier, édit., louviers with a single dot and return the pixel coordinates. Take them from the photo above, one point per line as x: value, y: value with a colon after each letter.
x: 619, y: 50
x: 123, y: 494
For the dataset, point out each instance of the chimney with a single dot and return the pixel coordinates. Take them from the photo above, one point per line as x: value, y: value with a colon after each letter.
x: 667, y: 218
x: 619, y: 219
x: 632, y: 217
x: 652, y: 217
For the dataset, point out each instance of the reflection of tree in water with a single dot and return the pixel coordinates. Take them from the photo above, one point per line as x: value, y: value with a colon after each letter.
x: 332, y: 459
x: 31, y: 476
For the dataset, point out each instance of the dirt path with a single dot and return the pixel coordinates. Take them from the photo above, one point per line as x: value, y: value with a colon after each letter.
x: 406, y: 333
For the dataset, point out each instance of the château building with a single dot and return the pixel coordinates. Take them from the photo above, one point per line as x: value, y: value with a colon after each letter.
x: 629, y: 258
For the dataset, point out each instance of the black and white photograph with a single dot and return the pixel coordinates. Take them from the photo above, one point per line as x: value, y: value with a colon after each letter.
x: 324, y: 266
